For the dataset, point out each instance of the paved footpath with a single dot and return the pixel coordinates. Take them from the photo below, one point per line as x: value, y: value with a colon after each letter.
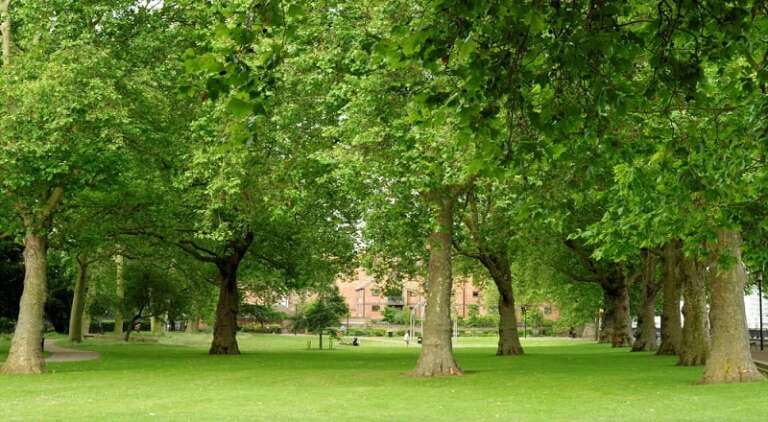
x: 63, y: 354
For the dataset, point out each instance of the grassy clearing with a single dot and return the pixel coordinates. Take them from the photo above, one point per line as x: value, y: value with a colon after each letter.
x: 278, y: 379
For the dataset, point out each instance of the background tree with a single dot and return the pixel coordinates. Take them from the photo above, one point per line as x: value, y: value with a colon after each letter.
x: 323, y: 313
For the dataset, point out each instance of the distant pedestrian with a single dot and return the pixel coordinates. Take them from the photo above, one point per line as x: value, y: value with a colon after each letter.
x: 407, y: 338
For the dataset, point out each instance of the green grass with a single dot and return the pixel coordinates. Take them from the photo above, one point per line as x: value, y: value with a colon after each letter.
x: 277, y: 379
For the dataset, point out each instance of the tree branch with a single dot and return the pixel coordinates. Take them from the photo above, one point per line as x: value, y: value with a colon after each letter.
x: 464, y: 252
x: 54, y: 199
x: 194, y: 251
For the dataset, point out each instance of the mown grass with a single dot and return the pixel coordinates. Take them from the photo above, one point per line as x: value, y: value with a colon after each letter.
x: 277, y: 379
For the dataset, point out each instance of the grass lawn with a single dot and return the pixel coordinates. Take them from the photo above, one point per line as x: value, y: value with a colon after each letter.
x: 277, y: 379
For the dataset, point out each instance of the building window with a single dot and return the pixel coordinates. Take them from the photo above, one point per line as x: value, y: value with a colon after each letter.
x: 375, y: 292
x: 375, y: 308
x: 475, y: 293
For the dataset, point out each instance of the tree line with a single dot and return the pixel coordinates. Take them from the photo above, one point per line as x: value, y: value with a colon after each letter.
x: 571, y: 148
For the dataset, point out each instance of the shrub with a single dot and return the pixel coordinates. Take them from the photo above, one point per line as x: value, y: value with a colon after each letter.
x: 258, y: 329
x: 367, y: 332
x: 395, y: 316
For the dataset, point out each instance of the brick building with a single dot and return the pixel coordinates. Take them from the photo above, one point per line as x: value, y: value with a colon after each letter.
x: 367, y: 300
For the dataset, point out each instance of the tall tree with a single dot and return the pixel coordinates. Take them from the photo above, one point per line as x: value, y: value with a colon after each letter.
x: 488, y: 238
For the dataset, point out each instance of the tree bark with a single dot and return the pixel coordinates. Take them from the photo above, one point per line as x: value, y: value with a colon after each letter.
x: 119, y: 293
x: 436, y: 356
x: 671, y: 329
x: 156, y: 325
x: 78, y: 300
x: 616, y: 323
x: 606, y: 326
x: 89, y: 298
x: 730, y: 359
x: 694, y: 347
x: 225, y: 327
x: 646, y: 324
x: 5, y: 29
x: 509, y: 339
x: 26, y: 354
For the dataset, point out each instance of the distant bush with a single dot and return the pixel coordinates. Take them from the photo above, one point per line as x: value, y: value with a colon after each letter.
x: 396, y: 316
x: 474, y: 319
x: 258, y: 329
x: 367, y: 332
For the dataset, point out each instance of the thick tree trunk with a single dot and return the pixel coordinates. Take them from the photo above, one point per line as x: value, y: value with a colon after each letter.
x: 119, y: 293
x: 606, y: 322
x: 5, y: 30
x: 26, y: 355
x: 694, y: 347
x: 225, y: 327
x: 78, y: 301
x: 621, y: 336
x: 671, y: 329
x: 509, y: 339
x: 616, y: 323
x: 436, y: 356
x: 730, y: 359
x: 646, y: 324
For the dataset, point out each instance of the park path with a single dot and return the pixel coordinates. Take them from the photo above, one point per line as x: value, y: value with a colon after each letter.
x: 63, y: 354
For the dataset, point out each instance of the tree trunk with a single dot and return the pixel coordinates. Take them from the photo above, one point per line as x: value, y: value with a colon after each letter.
x: 132, y: 323
x: 157, y: 325
x: 26, y: 354
x: 78, y: 301
x: 119, y: 293
x: 730, y: 359
x: 225, y: 327
x: 671, y: 329
x: 509, y: 339
x: 646, y: 324
x: 192, y: 325
x: 616, y: 323
x: 89, y: 298
x: 436, y: 356
x: 606, y: 326
x: 5, y: 29
x: 695, y: 342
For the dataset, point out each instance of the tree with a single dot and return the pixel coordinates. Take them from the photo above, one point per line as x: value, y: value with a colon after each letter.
x: 70, y: 108
x: 486, y: 216
x: 152, y: 291
x: 325, y: 312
